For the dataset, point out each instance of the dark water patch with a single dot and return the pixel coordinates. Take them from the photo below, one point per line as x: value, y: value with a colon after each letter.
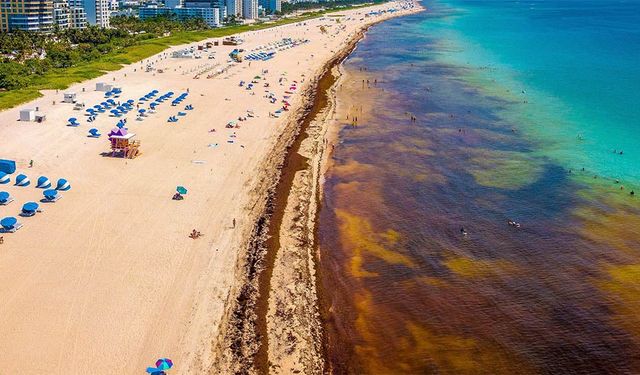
x: 410, y: 292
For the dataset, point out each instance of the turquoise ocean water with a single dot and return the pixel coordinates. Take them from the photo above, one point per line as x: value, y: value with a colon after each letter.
x: 519, y: 106
x: 575, y: 62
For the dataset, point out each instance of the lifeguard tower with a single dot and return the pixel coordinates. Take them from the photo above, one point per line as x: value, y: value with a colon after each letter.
x: 123, y: 144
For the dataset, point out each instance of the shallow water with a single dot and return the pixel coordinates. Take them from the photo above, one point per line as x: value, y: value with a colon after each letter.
x: 494, y: 140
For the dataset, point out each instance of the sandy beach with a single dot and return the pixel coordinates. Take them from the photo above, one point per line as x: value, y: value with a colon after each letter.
x: 107, y: 279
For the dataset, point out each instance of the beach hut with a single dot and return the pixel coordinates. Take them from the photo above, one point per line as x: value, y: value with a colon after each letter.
x: 5, y: 198
x: 69, y: 97
x: 102, y: 86
x: 22, y: 180
x: 43, y: 183
x: 7, y: 166
x: 51, y: 195
x: 63, y: 185
x: 9, y: 224
x: 29, y: 209
x: 27, y: 114
x: 4, y: 178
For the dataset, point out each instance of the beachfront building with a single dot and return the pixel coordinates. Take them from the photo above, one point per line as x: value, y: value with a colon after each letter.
x: 61, y: 14
x: 234, y: 8
x: 27, y: 15
x: 218, y: 5
x: 271, y: 6
x: 97, y: 12
x: 78, y: 17
x: 173, y: 3
x: 250, y: 9
x: 209, y: 15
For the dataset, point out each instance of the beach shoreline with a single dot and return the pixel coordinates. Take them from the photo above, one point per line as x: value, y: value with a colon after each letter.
x: 289, y: 317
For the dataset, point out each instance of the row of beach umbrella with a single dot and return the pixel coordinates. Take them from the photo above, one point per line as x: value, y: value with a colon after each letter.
x: 10, y: 224
x: 42, y: 183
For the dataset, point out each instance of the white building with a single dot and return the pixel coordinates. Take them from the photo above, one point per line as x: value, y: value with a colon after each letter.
x: 61, y: 14
x: 78, y: 17
x: 98, y: 12
x: 250, y: 9
x: 234, y: 8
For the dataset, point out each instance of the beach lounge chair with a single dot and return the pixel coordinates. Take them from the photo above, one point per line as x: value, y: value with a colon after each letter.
x: 51, y: 196
x: 9, y: 225
x: 182, y: 113
x: 5, y: 198
x: 29, y: 209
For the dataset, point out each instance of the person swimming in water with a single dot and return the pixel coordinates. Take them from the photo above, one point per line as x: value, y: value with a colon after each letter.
x: 463, y: 231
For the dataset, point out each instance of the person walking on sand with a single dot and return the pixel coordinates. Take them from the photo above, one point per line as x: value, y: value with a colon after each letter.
x: 1, y: 240
x: 234, y: 222
x: 31, y: 163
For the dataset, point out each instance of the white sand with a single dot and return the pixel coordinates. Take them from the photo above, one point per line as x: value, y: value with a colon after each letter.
x: 107, y: 280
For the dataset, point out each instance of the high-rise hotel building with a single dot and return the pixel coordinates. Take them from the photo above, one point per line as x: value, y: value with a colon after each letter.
x: 28, y: 15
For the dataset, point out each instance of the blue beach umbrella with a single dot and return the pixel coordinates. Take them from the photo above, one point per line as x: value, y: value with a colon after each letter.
x: 93, y: 132
x: 43, y: 183
x: 63, y: 185
x: 8, y: 222
x: 4, y: 196
x: 22, y: 180
x: 4, y: 178
x: 164, y: 364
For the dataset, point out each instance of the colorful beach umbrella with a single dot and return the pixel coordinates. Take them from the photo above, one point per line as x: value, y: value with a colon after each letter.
x: 181, y: 190
x: 164, y: 364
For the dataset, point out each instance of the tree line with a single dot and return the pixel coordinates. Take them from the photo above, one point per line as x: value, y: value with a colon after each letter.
x: 25, y: 54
